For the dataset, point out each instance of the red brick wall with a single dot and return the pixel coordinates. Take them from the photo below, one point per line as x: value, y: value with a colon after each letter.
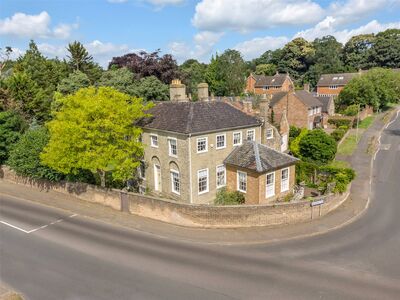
x: 250, y: 84
x: 325, y: 90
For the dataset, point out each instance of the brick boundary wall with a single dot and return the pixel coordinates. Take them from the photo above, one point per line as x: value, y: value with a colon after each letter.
x: 189, y: 215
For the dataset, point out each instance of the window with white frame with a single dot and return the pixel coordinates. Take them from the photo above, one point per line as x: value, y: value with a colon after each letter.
x: 270, y: 133
x: 173, y: 148
x: 237, y: 138
x: 318, y: 110
x: 242, y: 181
x: 202, y: 179
x: 154, y: 140
x: 310, y: 112
x: 270, y: 185
x: 333, y: 87
x: 285, y: 180
x: 251, y: 135
x: 142, y: 170
x: 175, y: 182
x: 221, y: 175
x: 201, y: 145
x: 221, y: 141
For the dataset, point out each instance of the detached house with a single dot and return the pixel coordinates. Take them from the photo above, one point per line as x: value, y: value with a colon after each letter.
x: 300, y: 108
x: 332, y: 84
x: 267, y: 85
x: 186, y: 144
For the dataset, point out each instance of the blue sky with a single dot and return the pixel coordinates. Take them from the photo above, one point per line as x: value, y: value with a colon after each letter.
x: 186, y: 28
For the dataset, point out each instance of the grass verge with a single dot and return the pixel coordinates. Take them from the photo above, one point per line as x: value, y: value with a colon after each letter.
x: 364, y: 124
x: 339, y: 164
x: 348, y: 146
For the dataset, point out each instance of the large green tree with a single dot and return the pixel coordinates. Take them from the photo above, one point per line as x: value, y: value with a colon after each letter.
x: 24, y: 156
x: 75, y: 81
x: 94, y: 130
x: 356, y: 52
x: 385, y: 52
x: 266, y: 69
x: 152, y: 89
x: 12, y: 126
x: 317, y: 147
x: 121, y: 79
x: 192, y: 73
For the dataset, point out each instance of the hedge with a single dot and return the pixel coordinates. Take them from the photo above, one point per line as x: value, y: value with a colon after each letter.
x: 341, y: 122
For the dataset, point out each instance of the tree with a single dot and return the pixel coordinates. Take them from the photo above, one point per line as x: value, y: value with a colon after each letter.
x: 73, y: 82
x: 356, y: 51
x: 120, y: 79
x: 317, y: 147
x: 376, y: 88
x: 24, y: 156
x: 226, y: 74
x: 296, y: 57
x: 327, y: 59
x: 146, y: 64
x: 385, y: 52
x: 150, y: 88
x: 81, y: 60
x: 93, y: 130
x: 12, y: 125
x: 29, y: 99
x: 192, y: 73
x: 266, y: 69
x: 4, y: 58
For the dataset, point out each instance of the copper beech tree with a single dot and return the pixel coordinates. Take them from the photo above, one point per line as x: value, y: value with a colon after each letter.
x: 93, y: 129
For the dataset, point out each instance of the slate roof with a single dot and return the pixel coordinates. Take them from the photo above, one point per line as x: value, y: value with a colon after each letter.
x: 326, y: 102
x: 306, y: 97
x: 336, y: 79
x: 196, y: 117
x: 260, y: 158
x: 276, y: 80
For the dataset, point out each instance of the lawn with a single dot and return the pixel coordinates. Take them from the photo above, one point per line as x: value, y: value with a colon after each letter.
x: 364, y: 124
x: 348, y: 146
x: 339, y: 164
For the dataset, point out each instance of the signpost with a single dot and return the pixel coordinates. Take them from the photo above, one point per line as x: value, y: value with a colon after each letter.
x: 316, y: 203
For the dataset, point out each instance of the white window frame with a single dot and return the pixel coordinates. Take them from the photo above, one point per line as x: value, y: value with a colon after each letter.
x: 157, y: 180
x: 197, y: 144
x: 333, y: 87
x: 238, y: 181
x: 254, y: 135
x: 216, y: 141
x: 151, y: 140
x: 273, y: 185
x: 170, y: 148
x: 318, y: 110
x: 310, y: 112
x: 207, y: 182
x: 233, y: 138
x: 172, y: 172
x: 270, y: 137
x: 216, y: 175
x: 141, y: 175
x: 285, y: 186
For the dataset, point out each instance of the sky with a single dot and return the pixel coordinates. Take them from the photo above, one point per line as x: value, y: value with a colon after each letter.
x: 185, y: 28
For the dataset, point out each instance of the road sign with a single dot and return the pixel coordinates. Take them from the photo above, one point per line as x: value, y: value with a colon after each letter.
x: 317, y: 203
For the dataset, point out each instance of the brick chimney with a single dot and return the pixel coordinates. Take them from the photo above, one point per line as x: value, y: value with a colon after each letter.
x: 177, y: 91
x: 248, y: 106
x: 307, y: 87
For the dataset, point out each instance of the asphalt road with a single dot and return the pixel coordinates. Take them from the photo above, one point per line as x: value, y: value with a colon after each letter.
x: 50, y: 254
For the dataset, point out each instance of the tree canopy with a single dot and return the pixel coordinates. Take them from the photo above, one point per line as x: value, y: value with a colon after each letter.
x: 317, y: 147
x: 12, y: 127
x: 94, y: 130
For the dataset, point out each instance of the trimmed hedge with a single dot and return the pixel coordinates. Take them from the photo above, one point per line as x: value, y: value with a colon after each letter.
x: 341, y: 122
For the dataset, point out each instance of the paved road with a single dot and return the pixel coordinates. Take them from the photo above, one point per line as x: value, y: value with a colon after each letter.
x: 51, y: 254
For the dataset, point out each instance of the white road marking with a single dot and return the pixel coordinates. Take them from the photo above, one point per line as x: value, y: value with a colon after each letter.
x: 35, y: 229
x: 385, y: 146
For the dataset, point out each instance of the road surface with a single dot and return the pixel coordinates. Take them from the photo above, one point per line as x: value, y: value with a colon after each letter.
x: 51, y: 254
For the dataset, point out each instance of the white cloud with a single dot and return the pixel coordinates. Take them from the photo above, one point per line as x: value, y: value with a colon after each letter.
x: 246, y: 15
x: 329, y: 27
x: 257, y: 46
x: 201, y: 48
x: 34, y: 26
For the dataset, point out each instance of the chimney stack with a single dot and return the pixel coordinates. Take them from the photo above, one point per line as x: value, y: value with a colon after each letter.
x: 307, y: 87
x: 202, y: 91
x: 177, y: 91
x: 247, y: 106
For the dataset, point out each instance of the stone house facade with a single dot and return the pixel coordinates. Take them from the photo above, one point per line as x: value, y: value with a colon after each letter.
x: 268, y: 85
x: 300, y: 108
x: 262, y: 174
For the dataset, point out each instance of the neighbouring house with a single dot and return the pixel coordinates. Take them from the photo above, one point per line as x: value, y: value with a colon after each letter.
x: 186, y: 144
x: 300, y: 108
x: 328, y: 105
x: 261, y: 173
x: 267, y: 85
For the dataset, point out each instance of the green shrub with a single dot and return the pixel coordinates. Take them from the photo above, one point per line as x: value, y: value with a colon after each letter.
x: 341, y: 122
x: 294, y: 145
x: 338, y: 134
x: 317, y: 147
x: 351, y: 110
x: 294, y: 132
x: 225, y: 197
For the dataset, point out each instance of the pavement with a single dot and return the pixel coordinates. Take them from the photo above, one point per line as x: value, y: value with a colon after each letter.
x: 52, y: 248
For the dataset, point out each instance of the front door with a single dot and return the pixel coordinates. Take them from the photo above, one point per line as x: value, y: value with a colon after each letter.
x: 157, y: 178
